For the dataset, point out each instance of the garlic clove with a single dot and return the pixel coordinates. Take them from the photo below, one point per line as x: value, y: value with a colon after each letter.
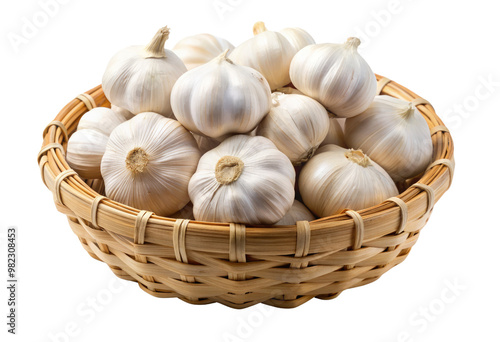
x: 336, y: 179
x: 200, y: 49
x: 335, y: 75
x: 243, y: 180
x: 140, y: 79
x: 296, y: 124
x: 221, y: 98
x: 394, y: 134
x: 268, y: 52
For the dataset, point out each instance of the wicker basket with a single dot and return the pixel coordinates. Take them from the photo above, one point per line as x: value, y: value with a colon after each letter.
x: 238, y: 266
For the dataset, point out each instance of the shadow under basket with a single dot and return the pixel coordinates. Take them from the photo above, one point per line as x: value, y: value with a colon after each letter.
x: 239, y: 266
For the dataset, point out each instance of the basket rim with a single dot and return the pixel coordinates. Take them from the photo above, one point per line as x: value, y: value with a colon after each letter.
x: 74, y: 197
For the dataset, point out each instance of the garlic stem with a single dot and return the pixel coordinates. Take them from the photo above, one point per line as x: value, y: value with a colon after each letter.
x: 223, y: 57
x: 156, y: 47
x: 259, y: 27
x: 358, y: 157
x: 353, y: 42
x: 408, y: 112
x: 228, y: 169
x: 137, y: 160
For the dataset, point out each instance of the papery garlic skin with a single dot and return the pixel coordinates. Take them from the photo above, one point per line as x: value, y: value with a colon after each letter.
x: 221, y: 98
x: 200, y: 49
x: 140, y: 79
x: 87, y: 145
x: 336, y: 179
x: 335, y: 75
x: 298, y: 37
x: 243, y: 180
x: 394, y: 134
x: 148, y: 162
x: 122, y: 111
x: 270, y: 53
x: 296, y: 124
x: 335, y: 133
x: 298, y: 212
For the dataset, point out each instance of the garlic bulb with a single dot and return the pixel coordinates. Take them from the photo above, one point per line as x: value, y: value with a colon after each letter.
x: 148, y: 162
x: 394, y: 134
x: 268, y: 52
x: 298, y: 212
x: 335, y: 133
x: 243, y: 180
x: 298, y: 37
x: 123, y: 112
x: 337, y: 178
x: 220, y: 98
x: 296, y: 124
x: 87, y: 145
x: 205, y: 144
x: 336, y: 75
x: 140, y: 79
x: 200, y: 49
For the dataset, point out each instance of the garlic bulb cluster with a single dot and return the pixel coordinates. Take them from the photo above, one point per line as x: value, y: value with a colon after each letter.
x: 296, y: 124
x: 394, y: 134
x: 220, y: 98
x: 336, y: 179
x: 336, y: 75
x: 200, y: 49
x: 298, y: 37
x: 335, y: 133
x: 87, y: 145
x: 298, y: 212
x: 243, y: 180
x: 148, y: 162
x: 268, y: 52
x: 140, y: 79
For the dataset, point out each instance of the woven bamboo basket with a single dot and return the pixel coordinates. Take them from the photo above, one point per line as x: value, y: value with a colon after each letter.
x: 238, y: 266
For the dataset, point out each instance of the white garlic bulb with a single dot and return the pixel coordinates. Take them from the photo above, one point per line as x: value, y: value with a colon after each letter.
x: 336, y: 179
x: 298, y: 212
x: 335, y: 133
x: 148, y: 162
x: 394, y: 134
x: 243, y: 180
x: 140, y: 79
x: 336, y: 75
x: 296, y: 124
x: 200, y: 49
x: 205, y: 144
x: 123, y: 112
x: 220, y: 98
x: 87, y: 145
x: 268, y: 52
x: 298, y: 37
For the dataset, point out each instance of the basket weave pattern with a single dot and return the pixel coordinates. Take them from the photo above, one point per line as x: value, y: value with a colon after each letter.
x: 238, y: 266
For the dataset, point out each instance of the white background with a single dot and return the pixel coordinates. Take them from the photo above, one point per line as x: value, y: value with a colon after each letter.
x: 442, y: 50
